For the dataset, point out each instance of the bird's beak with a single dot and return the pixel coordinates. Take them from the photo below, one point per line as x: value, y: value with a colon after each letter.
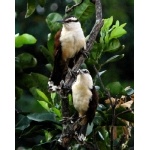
x: 60, y: 21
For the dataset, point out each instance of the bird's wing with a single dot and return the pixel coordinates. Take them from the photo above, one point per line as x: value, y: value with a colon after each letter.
x: 92, y: 105
x: 59, y: 69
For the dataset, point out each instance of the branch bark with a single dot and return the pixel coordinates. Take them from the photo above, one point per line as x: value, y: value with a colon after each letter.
x: 69, y: 79
x: 94, y: 32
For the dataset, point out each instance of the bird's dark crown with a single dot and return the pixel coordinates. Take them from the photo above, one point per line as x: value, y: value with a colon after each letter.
x: 70, y: 19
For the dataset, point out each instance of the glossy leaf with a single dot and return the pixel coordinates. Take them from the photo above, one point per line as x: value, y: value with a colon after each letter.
x: 48, y: 55
x: 57, y: 111
x: 39, y: 95
x: 113, y: 59
x: 31, y: 4
x: 127, y: 116
x: 129, y: 90
x: 44, y: 105
x: 26, y: 60
x: 102, y: 72
x: 53, y: 95
x: 115, y: 88
x: 84, y: 11
x: 23, y: 39
x: 89, y: 129
x: 101, y: 107
x: 23, y: 122
x: 113, y: 45
x: 39, y: 117
x: 27, y: 104
x: 41, y: 81
x: 18, y: 92
x: 117, y: 32
x: 25, y: 81
x: 100, y: 135
x: 107, y: 23
x: 52, y: 19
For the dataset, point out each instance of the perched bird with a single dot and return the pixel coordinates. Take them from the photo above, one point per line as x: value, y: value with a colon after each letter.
x: 85, y: 99
x: 68, y: 42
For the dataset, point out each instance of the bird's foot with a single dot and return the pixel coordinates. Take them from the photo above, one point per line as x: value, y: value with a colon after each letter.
x: 66, y: 120
x: 52, y: 87
x: 85, y: 53
x: 81, y: 137
x: 72, y: 73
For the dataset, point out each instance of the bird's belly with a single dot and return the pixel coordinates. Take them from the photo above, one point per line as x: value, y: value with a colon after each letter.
x: 71, y: 46
x: 81, y: 102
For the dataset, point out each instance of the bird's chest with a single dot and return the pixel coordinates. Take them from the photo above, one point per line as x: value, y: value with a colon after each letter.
x: 71, y: 44
x: 81, y: 98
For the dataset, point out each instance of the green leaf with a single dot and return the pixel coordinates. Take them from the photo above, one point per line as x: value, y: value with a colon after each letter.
x: 102, y: 72
x: 31, y: 4
x: 23, y: 39
x: 52, y: 19
x: 25, y: 81
x: 56, y: 111
x: 39, y: 117
x: 41, y: 81
x: 117, y: 23
x: 26, y: 60
x: 129, y: 90
x: 113, y: 46
x: 89, y: 129
x: 42, y: 2
x: 117, y: 32
x: 115, y: 88
x: 101, y: 107
x: 84, y: 11
x: 18, y: 92
x: 48, y: 54
x: 123, y: 25
x: 113, y: 59
x: 53, y: 95
x: 30, y: 131
x: 44, y: 105
x: 129, y: 116
x: 50, y: 45
x: 23, y: 122
x: 49, y: 67
x: 27, y: 103
x: 103, y: 134
x: 100, y: 135
x: 39, y: 95
x: 107, y: 23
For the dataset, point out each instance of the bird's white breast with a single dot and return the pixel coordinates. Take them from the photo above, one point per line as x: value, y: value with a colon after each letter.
x: 72, y: 42
x: 81, y: 97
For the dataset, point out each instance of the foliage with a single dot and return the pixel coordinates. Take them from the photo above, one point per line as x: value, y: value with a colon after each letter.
x: 38, y: 112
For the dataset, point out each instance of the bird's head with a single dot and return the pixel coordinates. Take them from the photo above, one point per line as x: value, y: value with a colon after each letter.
x: 83, y: 76
x: 70, y: 23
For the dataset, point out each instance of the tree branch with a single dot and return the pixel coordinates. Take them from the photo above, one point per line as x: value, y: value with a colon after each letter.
x: 95, y: 30
x: 71, y: 8
x: 69, y: 79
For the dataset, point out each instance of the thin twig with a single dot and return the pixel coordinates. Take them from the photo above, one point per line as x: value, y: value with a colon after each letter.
x: 123, y: 112
x: 103, y: 87
x: 112, y: 105
x: 71, y: 8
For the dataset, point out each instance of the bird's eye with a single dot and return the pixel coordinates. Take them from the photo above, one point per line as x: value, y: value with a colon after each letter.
x: 85, y: 71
